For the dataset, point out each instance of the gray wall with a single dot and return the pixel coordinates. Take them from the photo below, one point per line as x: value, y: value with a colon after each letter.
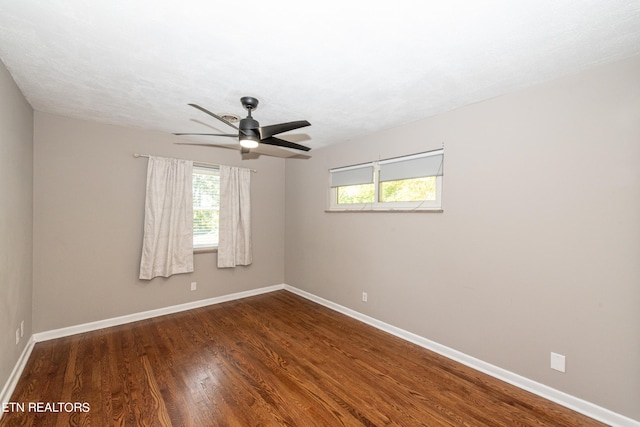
x: 538, y: 247
x: 16, y: 220
x: 88, y: 218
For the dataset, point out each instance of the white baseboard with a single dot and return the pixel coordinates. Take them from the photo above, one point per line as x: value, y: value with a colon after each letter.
x: 12, y: 381
x: 587, y: 408
x: 115, y: 321
x: 579, y: 405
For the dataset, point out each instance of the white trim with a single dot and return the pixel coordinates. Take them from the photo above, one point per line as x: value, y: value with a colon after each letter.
x: 114, y: 321
x: 579, y: 405
x: 12, y: 381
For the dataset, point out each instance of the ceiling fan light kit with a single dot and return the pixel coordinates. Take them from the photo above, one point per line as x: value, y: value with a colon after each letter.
x: 249, y: 141
x: 250, y: 133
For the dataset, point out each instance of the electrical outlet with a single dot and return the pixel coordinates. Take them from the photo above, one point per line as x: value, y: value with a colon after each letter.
x: 17, y: 336
x: 21, y: 329
x: 558, y: 362
x: 364, y: 297
x: 194, y: 286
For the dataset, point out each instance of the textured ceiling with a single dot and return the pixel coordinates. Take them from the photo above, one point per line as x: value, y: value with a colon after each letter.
x: 349, y: 67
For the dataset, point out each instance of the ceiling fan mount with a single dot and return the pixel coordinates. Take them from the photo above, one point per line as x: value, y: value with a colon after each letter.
x: 249, y: 103
x: 250, y: 134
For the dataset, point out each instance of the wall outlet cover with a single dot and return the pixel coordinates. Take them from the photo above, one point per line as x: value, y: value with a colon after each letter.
x: 558, y: 362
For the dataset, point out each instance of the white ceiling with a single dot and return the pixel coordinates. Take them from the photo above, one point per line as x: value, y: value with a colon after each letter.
x: 349, y: 67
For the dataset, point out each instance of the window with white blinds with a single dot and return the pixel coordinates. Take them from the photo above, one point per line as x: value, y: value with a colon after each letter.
x: 404, y: 183
x: 206, y: 207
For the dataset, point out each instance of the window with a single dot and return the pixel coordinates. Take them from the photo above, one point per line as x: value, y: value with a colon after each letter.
x: 206, y: 207
x: 403, y: 183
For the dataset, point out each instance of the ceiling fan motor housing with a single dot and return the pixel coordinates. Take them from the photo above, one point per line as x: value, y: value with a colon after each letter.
x: 249, y: 135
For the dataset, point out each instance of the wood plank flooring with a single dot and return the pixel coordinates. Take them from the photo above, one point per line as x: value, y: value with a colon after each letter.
x: 269, y: 360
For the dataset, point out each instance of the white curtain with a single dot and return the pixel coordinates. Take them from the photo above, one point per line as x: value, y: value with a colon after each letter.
x: 234, y: 246
x: 167, y: 247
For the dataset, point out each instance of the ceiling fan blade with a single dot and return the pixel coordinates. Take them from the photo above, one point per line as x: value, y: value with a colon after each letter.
x: 281, y: 152
x: 204, y: 144
x: 263, y: 150
x: 232, y: 135
x: 268, y: 131
x: 282, y: 143
x: 204, y: 110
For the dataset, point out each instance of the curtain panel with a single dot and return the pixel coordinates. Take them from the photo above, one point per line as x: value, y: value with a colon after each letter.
x: 234, y: 246
x: 167, y: 246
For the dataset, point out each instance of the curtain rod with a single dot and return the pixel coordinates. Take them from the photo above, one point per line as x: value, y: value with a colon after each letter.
x: 136, y: 155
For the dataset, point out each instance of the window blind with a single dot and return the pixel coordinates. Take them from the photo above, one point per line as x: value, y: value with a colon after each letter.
x: 352, y: 175
x: 416, y: 166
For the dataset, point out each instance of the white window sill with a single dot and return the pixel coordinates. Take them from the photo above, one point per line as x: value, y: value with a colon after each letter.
x: 384, y: 210
x: 204, y: 250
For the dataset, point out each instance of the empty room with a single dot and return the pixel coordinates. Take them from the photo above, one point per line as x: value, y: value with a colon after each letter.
x: 320, y: 214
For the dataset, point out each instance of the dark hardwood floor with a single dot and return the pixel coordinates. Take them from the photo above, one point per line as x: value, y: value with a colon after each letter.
x: 269, y: 360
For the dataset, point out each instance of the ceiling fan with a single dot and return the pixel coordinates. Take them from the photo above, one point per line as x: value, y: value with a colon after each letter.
x: 250, y: 134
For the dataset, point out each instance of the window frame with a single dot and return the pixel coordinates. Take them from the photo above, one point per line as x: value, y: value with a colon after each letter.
x: 206, y: 170
x: 377, y: 205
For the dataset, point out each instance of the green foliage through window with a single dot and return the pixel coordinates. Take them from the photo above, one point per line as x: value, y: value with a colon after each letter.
x: 206, y: 207
x: 408, y: 190
x: 362, y: 193
x: 403, y: 190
